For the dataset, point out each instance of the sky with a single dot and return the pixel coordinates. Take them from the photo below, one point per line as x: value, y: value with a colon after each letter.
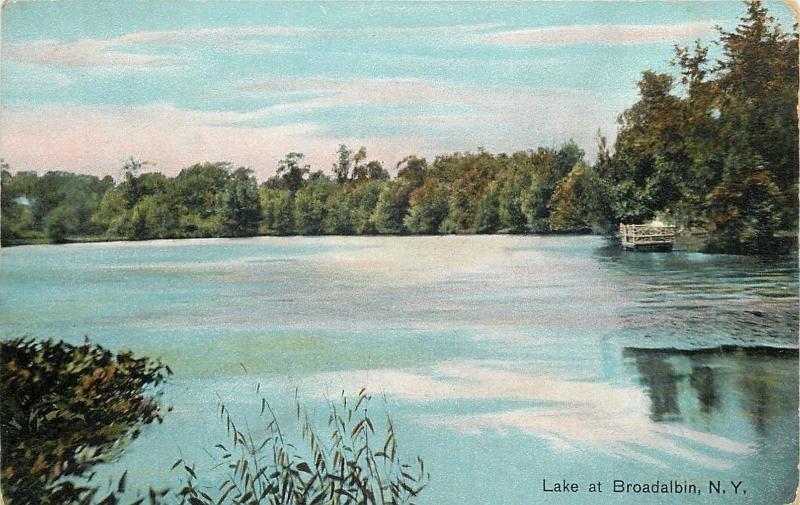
x: 84, y: 85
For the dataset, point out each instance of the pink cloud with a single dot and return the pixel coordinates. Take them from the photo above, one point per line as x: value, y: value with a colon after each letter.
x: 511, y: 119
x: 327, y: 93
x: 97, y: 140
x: 600, y: 34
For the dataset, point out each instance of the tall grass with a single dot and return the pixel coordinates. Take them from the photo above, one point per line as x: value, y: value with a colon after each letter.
x: 347, y: 463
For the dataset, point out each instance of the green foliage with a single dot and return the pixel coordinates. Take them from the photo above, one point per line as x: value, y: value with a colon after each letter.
x: 77, y: 195
x: 203, y: 200
x: 58, y: 223
x: 732, y: 129
x: 153, y: 216
x: 311, y: 207
x: 412, y: 170
x: 487, y: 217
x: 468, y: 175
x: 110, y: 214
x: 428, y: 208
x: 67, y: 408
x: 337, y: 218
x: 744, y: 208
x: 241, y: 206
x: 278, y: 206
x: 578, y: 203
x: 547, y: 167
x: 352, y: 465
x: 57, y: 205
x: 376, y: 172
x: 341, y: 168
x: 649, y: 154
x: 391, y: 207
x: 16, y: 217
x: 130, y: 185
x: 758, y: 80
x: 350, y: 166
x: 291, y: 173
x: 362, y: 201
x: 511, y: 216
x: 213, y: 199
x: 198, y: 192
x: 360, y: 170
x: 197, y: 187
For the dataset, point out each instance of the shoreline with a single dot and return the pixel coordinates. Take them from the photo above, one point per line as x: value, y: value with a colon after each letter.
x: 689, y: 246
x: 372, y: 235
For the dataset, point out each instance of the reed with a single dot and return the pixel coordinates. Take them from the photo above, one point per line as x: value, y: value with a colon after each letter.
x: 347, y: 463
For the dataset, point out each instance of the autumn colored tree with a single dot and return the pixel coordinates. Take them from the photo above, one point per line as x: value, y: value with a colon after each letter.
x: 722, y: 152
x: 66, y: 409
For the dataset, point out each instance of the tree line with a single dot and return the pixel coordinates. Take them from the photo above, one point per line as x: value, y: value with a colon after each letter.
x: 469, y: 192
x: 712, y: 148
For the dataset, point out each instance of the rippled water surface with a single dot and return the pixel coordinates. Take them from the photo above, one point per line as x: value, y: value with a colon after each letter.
x: 504, y: 360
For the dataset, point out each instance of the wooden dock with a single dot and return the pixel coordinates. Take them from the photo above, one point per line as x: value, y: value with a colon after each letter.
x: 645, y: 237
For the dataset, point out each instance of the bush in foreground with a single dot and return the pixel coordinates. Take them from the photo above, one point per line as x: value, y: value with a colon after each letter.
x: 67, y: 408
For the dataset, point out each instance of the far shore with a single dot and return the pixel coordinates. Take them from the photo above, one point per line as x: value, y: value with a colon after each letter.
x: 693, y: 243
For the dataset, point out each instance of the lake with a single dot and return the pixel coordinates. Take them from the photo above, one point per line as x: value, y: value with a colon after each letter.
x: 503, y: 360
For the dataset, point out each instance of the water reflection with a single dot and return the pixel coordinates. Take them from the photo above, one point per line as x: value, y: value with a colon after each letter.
x: 660, y: 379
x: 703, y: 382
x: 688, y: 300
x: 708, y: 388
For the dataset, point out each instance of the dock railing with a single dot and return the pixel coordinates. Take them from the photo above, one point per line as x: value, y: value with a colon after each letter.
x: 635, y: 236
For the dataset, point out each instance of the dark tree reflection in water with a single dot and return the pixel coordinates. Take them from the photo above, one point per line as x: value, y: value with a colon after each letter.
x: 660, y: 381
x: 705, y: 385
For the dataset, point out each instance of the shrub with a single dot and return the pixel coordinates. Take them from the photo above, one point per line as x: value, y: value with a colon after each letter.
x: 67, y: 408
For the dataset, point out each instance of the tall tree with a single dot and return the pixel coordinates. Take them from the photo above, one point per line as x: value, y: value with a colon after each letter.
x: 241, y: 206
x: 341, y: 167
x: 732, y: 128
x: 392, y: 207
x: 412, y: 169
x: 292, y: 171
x: 428, y: 206
x: 278, y: 208
x: 758, y: 82
x: 360, y: 172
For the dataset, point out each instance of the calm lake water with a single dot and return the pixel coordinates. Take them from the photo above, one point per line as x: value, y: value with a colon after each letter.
x: 503, y: 360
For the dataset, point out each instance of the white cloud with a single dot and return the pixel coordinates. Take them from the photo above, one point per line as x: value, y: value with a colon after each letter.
x: 600, y: 34
x: 91, y: 52
x: 339, y: 92
x: 221, y: 34
x: 83, y: 53
x: 212, y: 35
x: 336, y: 93
x: 572, y: 415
